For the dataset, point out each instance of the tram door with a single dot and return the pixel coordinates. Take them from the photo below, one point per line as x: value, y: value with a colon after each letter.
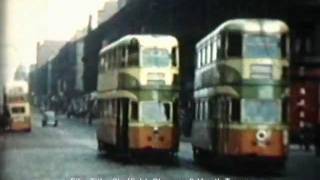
x: 224, y: 104
x: 122, y: 124
x: 214, y: 123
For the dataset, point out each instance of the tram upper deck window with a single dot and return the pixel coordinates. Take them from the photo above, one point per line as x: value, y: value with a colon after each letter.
x: 106, y: 62
x: 18, y: 110
x: 174, y: 55
x: 285, y: 46
x: 122, y: 55
x: 101, y: 64
x: 198, y: 59
x: 234, y: 43
x: 263, y: 46
x: 221, y: 45
x: 156, y: 57
x: 261, y: 111
x: 133, y: 55
x: 154, y: 111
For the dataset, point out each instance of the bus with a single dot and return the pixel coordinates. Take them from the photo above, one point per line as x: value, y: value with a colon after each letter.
x: 241, y: 92
x: 16, y: 93
x: 137, y: 95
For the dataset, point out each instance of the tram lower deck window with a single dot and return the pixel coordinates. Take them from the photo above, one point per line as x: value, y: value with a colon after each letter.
x: 167, y: 110
x: 18, y: 110
x: 154, y: 111
x: 235, y: 110
x: 134, y: 110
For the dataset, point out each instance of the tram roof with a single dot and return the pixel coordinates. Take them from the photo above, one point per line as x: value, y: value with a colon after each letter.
x: 266, y: 26
x: 13, y: 85
x: 144, y: 40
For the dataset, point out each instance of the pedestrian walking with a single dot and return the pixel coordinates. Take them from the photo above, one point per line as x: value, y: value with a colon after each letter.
x: 305, y: 135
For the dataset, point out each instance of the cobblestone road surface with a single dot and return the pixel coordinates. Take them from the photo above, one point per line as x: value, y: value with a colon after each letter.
x: 69, y: 151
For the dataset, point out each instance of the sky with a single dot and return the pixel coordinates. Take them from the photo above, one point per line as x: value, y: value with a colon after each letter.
x: 31, y: 21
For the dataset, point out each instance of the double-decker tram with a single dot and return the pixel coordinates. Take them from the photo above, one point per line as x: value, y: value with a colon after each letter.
x: 137, y: 95
x: 18, y: 106
x: 240, y: 92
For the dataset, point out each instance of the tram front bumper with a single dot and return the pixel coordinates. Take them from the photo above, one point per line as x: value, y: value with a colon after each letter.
x: 21, y: 126
x: 252, y: 143
x: 146, y: 138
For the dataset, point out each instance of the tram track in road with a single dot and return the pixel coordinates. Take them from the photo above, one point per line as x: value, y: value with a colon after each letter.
x: 69, y: 151
x: 186, y: 160
x: 184, y: 156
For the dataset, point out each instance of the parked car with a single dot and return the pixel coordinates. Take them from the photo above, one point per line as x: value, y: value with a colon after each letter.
x: 49, y: 118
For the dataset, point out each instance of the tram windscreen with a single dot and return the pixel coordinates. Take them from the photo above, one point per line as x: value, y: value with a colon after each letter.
x: 156, y: 57
x: 154, y: 112
x: 262, y: 46
x: 260, y: 111
x: 18, y: 110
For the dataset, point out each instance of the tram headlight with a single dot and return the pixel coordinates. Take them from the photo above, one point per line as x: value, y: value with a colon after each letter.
x: 263, y: 135
x: 155, y: 129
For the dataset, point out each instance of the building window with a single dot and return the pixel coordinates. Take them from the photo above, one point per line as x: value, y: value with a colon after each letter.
x: 297, y: 45
x: 301, y: 114
x: 301, y: 103
x: 302, y: 91
x: 308, y: 45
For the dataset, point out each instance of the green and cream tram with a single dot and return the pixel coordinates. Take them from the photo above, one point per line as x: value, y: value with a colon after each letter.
x: 16, y: 93
x: 138, y: 94
x: 240, y: 91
